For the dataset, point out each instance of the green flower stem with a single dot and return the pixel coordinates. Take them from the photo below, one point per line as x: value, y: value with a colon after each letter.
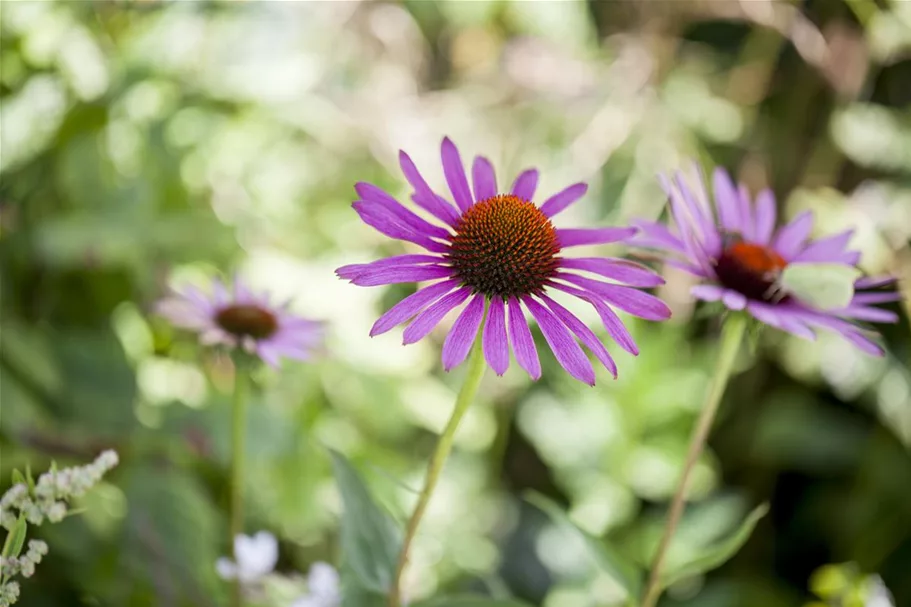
x: 238, y: 453
x: 732, y: 336
x: 444, y: 446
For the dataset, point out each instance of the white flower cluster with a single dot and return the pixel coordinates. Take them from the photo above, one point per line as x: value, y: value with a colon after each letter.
x: 24, y: 565
x: 53, y: 488
x: 43, y: 500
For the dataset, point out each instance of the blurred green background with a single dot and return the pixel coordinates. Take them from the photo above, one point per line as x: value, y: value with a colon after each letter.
x: 148, y: 144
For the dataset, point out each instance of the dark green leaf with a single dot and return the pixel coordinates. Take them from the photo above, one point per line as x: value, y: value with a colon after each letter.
x: 716, y: 554
x: 370, y: 539
x: 606, y: 559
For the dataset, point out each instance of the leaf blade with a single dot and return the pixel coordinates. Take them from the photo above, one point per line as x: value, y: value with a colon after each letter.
x: 370, y: 539
x: 608, y: 560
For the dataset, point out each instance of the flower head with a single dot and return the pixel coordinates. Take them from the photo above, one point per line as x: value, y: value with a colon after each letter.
x: 733, y: 245
x: 502, y: 251
x: 254, y: 558
x: 323, y: 588
x: 238, y: 317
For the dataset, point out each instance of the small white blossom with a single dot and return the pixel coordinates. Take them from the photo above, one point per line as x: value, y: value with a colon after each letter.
x: 323, y: 588
x: 9, y: 594
x: 254, y: 557
x: 879, y: 595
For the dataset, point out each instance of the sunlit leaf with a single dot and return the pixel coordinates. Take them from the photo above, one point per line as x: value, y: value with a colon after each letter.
x: 717, y: 554
x: 606, y: 559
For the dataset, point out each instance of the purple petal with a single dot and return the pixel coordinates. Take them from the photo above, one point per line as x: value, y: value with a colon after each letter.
x: 780, y: 318
x: 455, y: 174
x: 522, y: 342
x: 727, y: 200
x: 689, y: 268
x: 496, y: 345
x: 424, y: 196
x: 569, y: 353
x: 463, y: 334
x: 707, y: 292
x: 386, y: 223
x: 747, y: 221
x: 655, y: 235
x: 431, y: 317
x: 612, y: 323
x: 766, y: 214
x: 876, y: 297
x: 563, y: 199
x: 846, y: 330
x: 526, y: 184
x: 627, y: 272
x: 791, y: 238
x: 826, y: 249
x: 388, y: 276
x: 183, y: 313
x: 733, y: 300
x: 874, y: 282
x: 484, y: 178
x: 867, y: 313
x: 352, y: 270
x: 371, y: 193
x: 583, y: 236
x: 268, y: 355
x: 411, y: 305
x: 628, y: 299
x: 585, y: 335
x: 710, y: 238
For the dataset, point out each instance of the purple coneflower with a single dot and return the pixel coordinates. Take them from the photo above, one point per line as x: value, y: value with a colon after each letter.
x: 741, y: 255
x: 238, y: 317
x: 503, y: 249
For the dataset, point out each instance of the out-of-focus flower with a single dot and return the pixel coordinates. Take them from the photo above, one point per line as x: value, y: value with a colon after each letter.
x: 741, y: 256
x: 879, y: 595
x: 500, y: 249
x: 238, y: 317
x: 323, y: 589
x: 254, y: 558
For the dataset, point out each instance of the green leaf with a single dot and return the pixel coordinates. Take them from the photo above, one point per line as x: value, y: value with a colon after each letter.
x: 471, y: 601
x: 18, y: 478
x: 29, y: 479
x: 15, y: 539
x: 370, y: 539
x: 355, y: 595
x: 717, y: 554
x: 606, y: 559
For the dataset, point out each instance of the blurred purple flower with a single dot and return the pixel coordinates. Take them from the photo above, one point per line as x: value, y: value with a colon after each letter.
x: 733, y: 245
x: 238, y: 317
x: 501, y: 248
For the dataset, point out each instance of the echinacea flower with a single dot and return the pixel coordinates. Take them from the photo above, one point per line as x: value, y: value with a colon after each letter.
x: 503, y: 249
x: 254, y: 558
x: 734, y: 247
x: 237, y: 317
x: 323, y: 587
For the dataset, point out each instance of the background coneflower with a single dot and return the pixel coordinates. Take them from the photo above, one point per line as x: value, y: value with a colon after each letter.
x: 252, y: 326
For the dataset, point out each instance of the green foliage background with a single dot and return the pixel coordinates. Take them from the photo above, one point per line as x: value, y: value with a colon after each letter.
x: 149, y: 144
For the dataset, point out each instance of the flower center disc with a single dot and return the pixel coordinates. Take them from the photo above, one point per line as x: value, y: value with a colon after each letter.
x: 504, y: 246
x: 245, y: 319
x: 750, y: 269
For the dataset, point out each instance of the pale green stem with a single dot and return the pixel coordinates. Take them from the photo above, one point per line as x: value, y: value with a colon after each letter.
x: 444, y: 446
x: 238, y: 453
x: 732, y: 336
